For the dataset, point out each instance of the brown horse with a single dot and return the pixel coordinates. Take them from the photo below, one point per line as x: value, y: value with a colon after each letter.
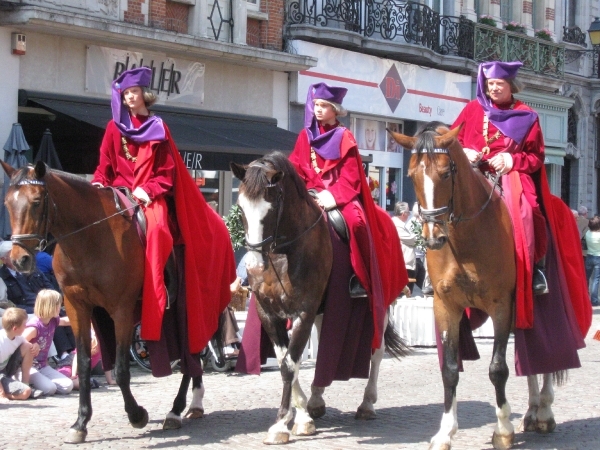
x: 289, y: 264
x: 471, y: 262
x: 99, y: 264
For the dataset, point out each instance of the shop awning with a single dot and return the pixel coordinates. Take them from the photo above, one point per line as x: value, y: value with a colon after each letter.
x: 193, y: 131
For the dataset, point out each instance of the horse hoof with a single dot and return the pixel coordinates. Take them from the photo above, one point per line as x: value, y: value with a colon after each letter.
x: 195, y: 413
x: 365, y: 414
x: 316, y: 412
x: 75, y: 436
x: 528, y: 424
x: 433, y: 446
x: 545, y: 427
x: 142, y: 422
x: 501, y: 442
x: 304, y: 429
x: 171, y: 423
x: 277, y: 438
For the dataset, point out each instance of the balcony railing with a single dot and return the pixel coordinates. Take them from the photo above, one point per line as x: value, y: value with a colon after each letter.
x: 574, y: 35
x: 413, y: 23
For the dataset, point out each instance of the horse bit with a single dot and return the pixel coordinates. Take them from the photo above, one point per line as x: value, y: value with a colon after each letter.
x: 430, y: 215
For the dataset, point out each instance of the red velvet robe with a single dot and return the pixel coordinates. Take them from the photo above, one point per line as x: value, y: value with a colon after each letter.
x: 376, y: 256
x: 209, y: 260
x: 528, y: 178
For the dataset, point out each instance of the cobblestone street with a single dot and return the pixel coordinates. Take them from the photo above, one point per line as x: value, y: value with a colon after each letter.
x: 240, y: 409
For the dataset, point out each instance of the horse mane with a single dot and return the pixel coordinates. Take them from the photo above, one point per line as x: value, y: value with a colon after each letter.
x: 27, y: 173
x: 256, y: 180
x: 426, y: 139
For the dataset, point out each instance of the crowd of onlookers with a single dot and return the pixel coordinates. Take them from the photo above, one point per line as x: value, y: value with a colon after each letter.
x: 37, y: 345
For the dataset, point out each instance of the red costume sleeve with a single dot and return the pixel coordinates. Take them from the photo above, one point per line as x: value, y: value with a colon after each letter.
x: 531, y: 157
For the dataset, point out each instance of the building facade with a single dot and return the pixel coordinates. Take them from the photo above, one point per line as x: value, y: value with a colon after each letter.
x: 436, y: 45
x: 218, y: 69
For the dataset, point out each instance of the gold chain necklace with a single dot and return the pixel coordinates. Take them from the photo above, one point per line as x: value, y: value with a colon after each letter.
x: 126, y: 150
x: 313, y: 159
x: 486, y: 121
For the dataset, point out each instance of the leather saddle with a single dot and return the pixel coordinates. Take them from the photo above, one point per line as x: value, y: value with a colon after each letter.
x: 335, y: 218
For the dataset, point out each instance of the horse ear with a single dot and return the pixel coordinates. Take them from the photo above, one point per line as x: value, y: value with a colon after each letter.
x: 8, y: 169
x: 403, y: 140
x: 446, y: 139
x: 239, y: 170
x: 40, y: 169
x: 277, y: 177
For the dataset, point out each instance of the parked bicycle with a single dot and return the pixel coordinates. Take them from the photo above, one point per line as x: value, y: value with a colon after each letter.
x: 213, y: 355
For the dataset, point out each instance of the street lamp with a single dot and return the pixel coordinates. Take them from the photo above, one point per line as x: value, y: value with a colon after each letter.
x: 593, y: 53
x: 594, y: 32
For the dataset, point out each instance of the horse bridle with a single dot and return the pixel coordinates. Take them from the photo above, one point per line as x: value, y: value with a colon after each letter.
x: 430, y: 215
x: 274, y: 239
x: 43, y: 240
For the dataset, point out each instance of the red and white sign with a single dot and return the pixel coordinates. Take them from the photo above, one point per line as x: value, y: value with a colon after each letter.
x: 378, y: 86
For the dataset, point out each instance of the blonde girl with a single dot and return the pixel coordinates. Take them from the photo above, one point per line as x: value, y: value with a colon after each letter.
x: 40, y: 330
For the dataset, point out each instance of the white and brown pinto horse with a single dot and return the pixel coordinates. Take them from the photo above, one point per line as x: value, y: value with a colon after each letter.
x: 289, y: 263
x: 471, y: 262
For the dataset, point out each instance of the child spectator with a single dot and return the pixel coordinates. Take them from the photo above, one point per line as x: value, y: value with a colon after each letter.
x: 40, y: 330
x: 15, y: 353
x: 96, y: 361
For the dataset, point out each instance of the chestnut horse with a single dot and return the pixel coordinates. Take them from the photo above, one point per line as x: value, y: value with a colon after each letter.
x: 99, y: 264
x: 289, y: 264
x: 471, y: 261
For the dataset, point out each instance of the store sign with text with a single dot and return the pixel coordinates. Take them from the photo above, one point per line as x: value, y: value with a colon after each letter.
x: 174, y: 81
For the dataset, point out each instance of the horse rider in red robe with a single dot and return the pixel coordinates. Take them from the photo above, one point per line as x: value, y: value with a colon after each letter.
x: 326, y: 157
x: 502, y: 136
x: 138, y: 153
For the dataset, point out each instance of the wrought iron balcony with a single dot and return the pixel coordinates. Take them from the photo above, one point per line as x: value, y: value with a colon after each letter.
x: 403, y: 22
x: 574, y: 35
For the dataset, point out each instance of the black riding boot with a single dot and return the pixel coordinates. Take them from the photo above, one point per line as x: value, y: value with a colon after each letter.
x: 540, y: 285
x: 356, y: 289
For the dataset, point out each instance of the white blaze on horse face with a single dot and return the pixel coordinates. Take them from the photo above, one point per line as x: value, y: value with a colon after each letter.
x: 255, y: 212
x: 428, y: 193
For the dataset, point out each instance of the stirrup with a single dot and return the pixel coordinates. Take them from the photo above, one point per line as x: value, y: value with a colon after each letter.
x: 540, y: 284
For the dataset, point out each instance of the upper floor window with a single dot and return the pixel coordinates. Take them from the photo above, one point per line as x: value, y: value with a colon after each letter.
x: 570, y: 13
x: 506, y: 10
x: 253, y: 5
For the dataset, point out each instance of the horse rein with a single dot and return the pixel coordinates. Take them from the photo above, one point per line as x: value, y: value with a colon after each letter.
x: 430, y: 215
x: 43, y: 240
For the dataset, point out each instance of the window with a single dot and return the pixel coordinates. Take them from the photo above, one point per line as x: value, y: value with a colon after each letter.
x: 371, y: 134
x: 253, y: 5
x: 570, y: 13
x: 506, y: 10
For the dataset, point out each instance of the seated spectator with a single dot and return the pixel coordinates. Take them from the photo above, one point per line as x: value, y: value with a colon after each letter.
x: 95, y: 364
x: 40, y: 330
x: 22, y: 290
x: 16, y: 354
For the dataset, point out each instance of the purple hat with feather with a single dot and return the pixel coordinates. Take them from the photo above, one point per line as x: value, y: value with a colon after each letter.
x: 153, y: 128
x: 512, y: 123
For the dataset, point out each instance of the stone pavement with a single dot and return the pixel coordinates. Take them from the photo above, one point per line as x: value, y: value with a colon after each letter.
x: 240, y: 409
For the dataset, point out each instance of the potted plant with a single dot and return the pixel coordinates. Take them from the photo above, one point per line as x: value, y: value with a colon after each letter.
x: 487, y: 20
x: 514, y: 26
x: 544, y: 34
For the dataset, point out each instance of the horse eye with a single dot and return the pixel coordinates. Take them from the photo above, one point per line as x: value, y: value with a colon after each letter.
x: 445, y: 174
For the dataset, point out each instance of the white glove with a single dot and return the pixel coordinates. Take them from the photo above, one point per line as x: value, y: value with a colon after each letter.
x: 325, y: 200
x: 502, y: 163
x: 100, y: 185
x: 473, y: 155
x: 141, y: 194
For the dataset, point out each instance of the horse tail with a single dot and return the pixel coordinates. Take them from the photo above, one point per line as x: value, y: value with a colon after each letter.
x: 394, y: 344
x: 560, y: 378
